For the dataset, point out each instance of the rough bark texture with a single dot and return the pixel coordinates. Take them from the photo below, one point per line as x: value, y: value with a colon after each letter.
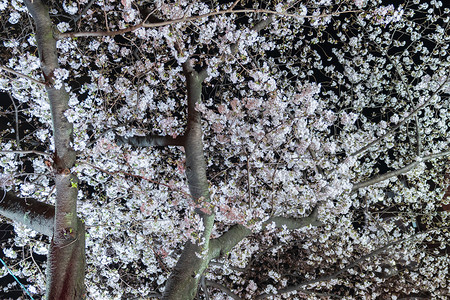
x: 59, y: 98
x: 66, y: 266
x: 193, y: 145
x: 65, y: 277
x: 28, y: 211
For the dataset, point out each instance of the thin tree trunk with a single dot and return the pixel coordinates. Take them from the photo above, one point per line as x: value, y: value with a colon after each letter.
x: 185, y: 277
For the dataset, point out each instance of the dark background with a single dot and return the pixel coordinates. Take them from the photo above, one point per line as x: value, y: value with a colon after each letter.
x: 9, y: 288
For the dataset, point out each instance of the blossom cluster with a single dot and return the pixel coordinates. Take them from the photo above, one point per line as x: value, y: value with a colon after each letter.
x: 288, y: 112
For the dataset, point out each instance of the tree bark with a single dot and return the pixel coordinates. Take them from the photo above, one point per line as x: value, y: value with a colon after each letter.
x: 184, y: 279
x: 65, y: 272
x: 66, y: 262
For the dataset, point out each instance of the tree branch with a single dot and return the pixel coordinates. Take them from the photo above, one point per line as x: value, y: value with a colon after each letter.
x: 418, y: 137
x: 85, y: 9
x: 234, y: 4
x: 394, y: 128
x: 25, y: 152
x: 16, y: 121
x: 204, y: 287
x: 185, y: 277
x: 22, y: 75
x: 341, y: 271
x: 194, y: 18
x: 193, y: 144
x: 225, y: 243
x: 36, y: 215
x: 400, y: 171
x: 306, y: 292
x: 385, y: 176
x: 257, y: 28
x: 150, y: 141
x: 62, y: 130
x: 234, y: 47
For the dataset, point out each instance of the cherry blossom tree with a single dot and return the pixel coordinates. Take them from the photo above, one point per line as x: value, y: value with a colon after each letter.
x: 213, y: 149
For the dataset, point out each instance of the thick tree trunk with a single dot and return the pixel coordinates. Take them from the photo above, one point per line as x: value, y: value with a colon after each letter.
x: 65, y: 273
x: 184, y: 279
x: 66, y: 261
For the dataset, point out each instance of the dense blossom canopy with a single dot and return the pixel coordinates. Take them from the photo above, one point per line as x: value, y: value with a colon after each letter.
x: 339, y: 106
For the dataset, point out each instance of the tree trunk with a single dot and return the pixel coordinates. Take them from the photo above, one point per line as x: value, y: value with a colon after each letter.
x: 66, y: 261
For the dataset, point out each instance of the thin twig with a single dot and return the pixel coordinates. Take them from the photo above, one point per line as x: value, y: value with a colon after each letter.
x: 85, y: 9
x: 193, y: 18
x: 16, y: 115
x: 22, y: 75
x: 418, y: 138
x: 248, y: 182
x: 393, y: 129
x: 34, y: 261
x: 306, y: 292
x: 318, y: 168
x: 234, y: 4
x: 106, y: 17
x: 25, y: 152
x: 272, y: 187
x: 70, y: 243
